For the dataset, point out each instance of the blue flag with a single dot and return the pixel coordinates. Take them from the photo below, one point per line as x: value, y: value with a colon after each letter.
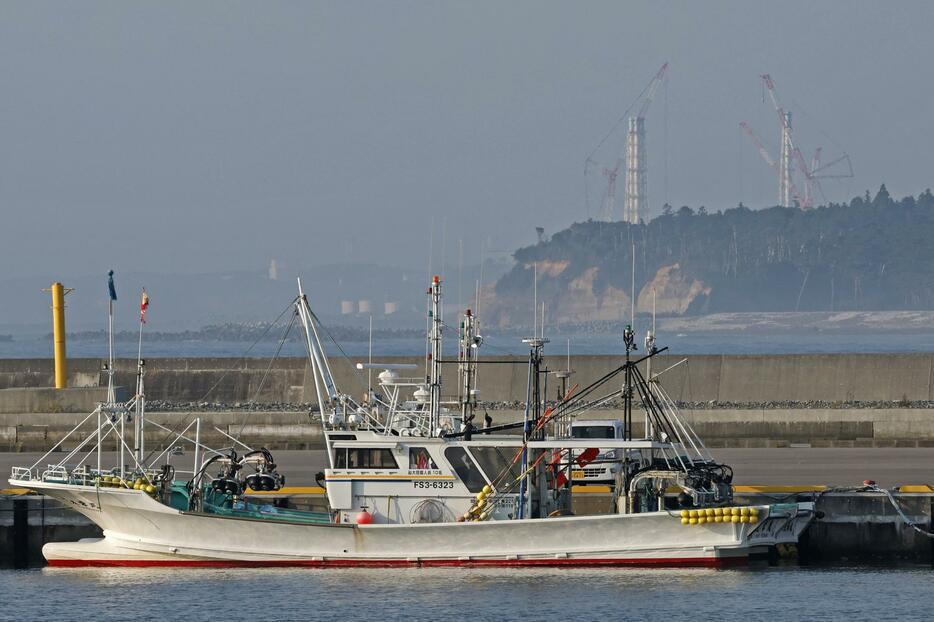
x: 110, y: 285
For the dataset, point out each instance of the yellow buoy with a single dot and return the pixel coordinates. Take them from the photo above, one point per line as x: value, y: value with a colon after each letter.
x: 718, y: 511
x: 685, y: 514
x: 717, y: 519
x: 693, y: 520
x: 685, y: 520
x: 709, y: 512
x: 754, y: 511
x: 744, y: 519
x: 753, y: 519
x: 694, y: 513
x: 487, y: 490
x: 701, y: 520
x: 744, y: 511
x: 734, y: 518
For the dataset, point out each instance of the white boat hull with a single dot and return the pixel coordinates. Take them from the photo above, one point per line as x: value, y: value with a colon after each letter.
x: 139, y: 531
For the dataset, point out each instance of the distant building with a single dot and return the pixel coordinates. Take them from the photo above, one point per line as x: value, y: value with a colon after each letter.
x: 273, y: 270
x: 390, y: 307
x: 347, y: 307
x: 364, y: 307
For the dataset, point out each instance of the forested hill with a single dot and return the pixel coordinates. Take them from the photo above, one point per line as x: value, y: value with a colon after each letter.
x: 873, y: 253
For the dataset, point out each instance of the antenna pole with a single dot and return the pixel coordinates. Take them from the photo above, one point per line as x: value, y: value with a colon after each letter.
x: 534, y: 299
x: 434, y: 379
x: 632, y: 289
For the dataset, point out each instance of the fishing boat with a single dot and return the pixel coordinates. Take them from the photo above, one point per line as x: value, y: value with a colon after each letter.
x: 413, y: 481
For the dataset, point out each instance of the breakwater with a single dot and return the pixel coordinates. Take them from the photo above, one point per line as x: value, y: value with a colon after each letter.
x: 843, y: 400
x: 782, y: 380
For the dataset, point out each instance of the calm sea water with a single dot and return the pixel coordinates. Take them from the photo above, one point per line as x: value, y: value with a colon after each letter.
x: 694, y: 343
x: 778, y: 593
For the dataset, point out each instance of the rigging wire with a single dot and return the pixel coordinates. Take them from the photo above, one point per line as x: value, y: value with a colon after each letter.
x: 174, y: 431
x: 262, y: 381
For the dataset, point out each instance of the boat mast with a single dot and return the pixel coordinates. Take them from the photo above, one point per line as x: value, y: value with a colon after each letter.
x: 469, y: 353
x: 320, y: 371
x: 531, y: 430
x: 139, y: 422
x: 434, y: 356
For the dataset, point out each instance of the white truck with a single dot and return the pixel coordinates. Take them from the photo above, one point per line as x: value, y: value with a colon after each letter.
x: 602, y: 469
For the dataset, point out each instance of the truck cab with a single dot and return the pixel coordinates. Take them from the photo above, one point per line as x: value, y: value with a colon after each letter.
x: 603, y: 468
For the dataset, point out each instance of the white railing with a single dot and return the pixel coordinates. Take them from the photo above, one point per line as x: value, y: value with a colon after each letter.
x: 21, y: 473
x: 56, y: 473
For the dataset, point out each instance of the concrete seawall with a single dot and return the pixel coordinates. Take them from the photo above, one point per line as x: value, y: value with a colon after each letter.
x: 725, y: 427
x: 806, y: 399
x: 704, y: 378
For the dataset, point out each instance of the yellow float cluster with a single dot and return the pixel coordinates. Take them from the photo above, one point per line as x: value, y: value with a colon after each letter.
x: 481, y: 508
x: 112, y: 481
x: 719, y: 515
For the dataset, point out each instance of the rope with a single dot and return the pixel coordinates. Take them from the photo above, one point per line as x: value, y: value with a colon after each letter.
x: 891, y: 498
x: 905, y: 518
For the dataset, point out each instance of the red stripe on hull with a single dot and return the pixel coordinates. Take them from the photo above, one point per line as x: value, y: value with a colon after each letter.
x: 685, y: 562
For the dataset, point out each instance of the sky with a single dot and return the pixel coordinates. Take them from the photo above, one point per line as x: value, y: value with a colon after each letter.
x: 193, y: 137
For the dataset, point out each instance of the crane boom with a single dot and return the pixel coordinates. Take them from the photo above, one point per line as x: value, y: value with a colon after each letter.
x: 758, y: 143
x: 768, y: 158
x: 651, y: 90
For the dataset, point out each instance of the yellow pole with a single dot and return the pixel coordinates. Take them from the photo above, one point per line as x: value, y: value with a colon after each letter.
x: 58, y: 335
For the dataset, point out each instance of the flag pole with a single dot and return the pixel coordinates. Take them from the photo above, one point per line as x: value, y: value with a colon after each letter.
x: 110, y: 365
x: 112, y: 296
x: 111, y: 394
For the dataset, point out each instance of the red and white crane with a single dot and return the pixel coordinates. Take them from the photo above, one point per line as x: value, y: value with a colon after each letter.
x: 790, y: 156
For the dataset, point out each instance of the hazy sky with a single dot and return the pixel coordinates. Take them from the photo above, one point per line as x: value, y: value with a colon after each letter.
x: 202, y: 136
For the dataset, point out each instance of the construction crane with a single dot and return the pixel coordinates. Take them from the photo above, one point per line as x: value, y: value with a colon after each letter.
x: 790, y: 156
x: 609, y: 200
x: 792, y: 189
x: 636, y: 206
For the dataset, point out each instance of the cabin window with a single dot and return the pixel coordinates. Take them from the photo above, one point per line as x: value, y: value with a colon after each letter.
x: 420, y: 460
x: 593, y: 431
x: 465, y: 468
x: 495, y: 461
x: 362, y: 458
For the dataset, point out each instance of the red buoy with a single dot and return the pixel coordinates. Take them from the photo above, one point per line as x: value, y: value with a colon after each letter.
x: 364, y: 518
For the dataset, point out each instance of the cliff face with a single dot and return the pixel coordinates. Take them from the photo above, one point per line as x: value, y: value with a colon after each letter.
x: 870, y: 254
